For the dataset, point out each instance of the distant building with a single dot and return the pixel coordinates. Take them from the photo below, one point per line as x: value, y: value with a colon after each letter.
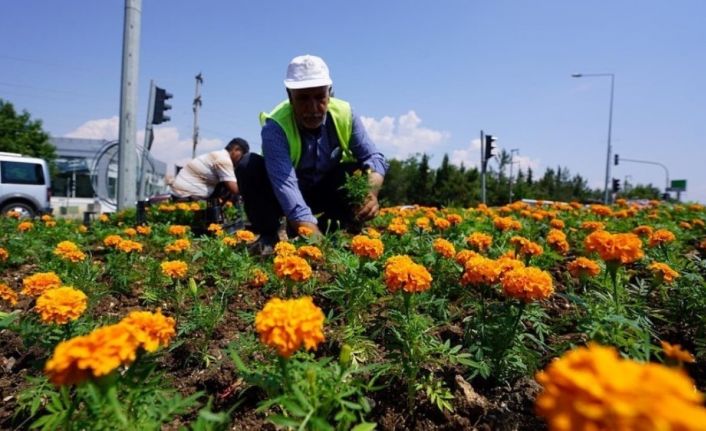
x: 86, y: 176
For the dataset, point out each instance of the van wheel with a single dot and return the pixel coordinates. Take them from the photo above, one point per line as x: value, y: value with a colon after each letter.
x: 25, y: 210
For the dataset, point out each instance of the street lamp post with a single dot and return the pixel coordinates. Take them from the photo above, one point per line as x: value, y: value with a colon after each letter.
x: 606, y: 192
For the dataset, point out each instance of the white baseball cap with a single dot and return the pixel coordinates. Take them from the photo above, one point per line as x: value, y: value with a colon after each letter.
x: 307, y: 71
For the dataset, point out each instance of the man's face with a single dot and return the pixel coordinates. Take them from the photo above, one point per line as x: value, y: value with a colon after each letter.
x: 235, y: 155
x: 310, y: 106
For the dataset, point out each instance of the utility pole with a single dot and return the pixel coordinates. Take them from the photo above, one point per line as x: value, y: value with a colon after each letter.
x: 127, y: 157
x: 512, y: 162
x: 482, y: 167
x: 197, y: 105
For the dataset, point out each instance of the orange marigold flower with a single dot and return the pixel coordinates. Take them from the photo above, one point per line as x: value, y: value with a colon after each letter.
x: 128, y: 246
x: 91, y: 356
x: 402, y: 273
x: 259, y: 278
x: 3, y: 254
x: 441, y: 223
x: 8, y: 294
x: 444, y: 248
x: 592, y: 226
x: 676, y: 352
x: 398, y: 226
x: 103, y: 218
x: 230, y: 241
x: 480, y: 270
x: 284, y: 248
x: 25, y: 226
x: 663, y: 272
x: 166, y: 208
x: 13, y: 214
x: 526, y: 247
x: 643, y: 231
x: 661, y: 237
x: 177, y: 246
x: 557, y: 240
x: 556, y: 223
x: 289, y: 324
x: 82, y: 229
x: 174, y: 268
x: 685, y: 225
x: 373, y: 233
x: 151, y: 330
x: 144, y: 230
x: 702, y: 244
x: 61, y: 305
x: 423, y: 223
x: 601, y: 210
x: 479, y: 241
x: 310, y: 252
x: 245, y: 235
x: 463, y: 256
x: 454, y: 219
x: 38, y: 283
x: 215, y: 229
x: 363, y: 246
x: 67, y: 250
x: 620, y: 247
x: 304, y: 231
x: 177, y: 230
x: 130, y: 232
x: 50, y: 223
x: 527, y: 284
x: 292, y: 267
x: 698, y: 222
x: 583, y: 267
x: 183, y: 206
x: 593, y: 388
x: 112, y: 240
x: 508, y: 263
x: 506, y: 223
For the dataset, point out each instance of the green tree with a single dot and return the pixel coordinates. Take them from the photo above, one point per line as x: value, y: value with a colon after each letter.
x: 20, y: 134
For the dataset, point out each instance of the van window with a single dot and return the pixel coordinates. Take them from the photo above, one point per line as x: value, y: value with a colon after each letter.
x: 21, y: 173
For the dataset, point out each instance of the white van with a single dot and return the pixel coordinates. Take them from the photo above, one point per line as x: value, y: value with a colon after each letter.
x: 25, y: 185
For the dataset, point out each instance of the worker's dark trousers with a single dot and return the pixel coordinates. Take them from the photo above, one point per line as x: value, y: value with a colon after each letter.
x: 326, y: 199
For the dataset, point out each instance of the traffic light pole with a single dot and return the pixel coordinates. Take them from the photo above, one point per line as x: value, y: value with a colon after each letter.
x: 483, y: 163
x: 647, y: 162
x: 148, y: 142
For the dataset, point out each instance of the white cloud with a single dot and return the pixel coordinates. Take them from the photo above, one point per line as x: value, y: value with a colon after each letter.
x: 469, y: 156
x: 104, y: 128
x: 403, y: 136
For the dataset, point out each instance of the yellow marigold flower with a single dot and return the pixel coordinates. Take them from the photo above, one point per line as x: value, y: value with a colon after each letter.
x: 103, y: 218
x: 527, y: 284
x: 25, y: 226
x: 508, y: 263
x: 398, y: 228
x: 194, y: 206
x: 177, y: 230
x: 284, y: 248
x: 661, y: 237
x: 166, y: 208
x: 423, y: 223
x: 50, y: 223
x: 557, y: 240
x: 3, y: 254
x: 38, y: 283
x: 441, y: 223
x: 177, y: 246
x: 91, y: 356
x: 67, y: 250
x: 676, y: 352
x: 506, y: 223
x: 13, y: 214
x: 592, y: 226
x: 82, y: 229
x: 174, y: 268
x: 183, y: 206
x: 643, y: 231
x: 454, y: 219
x: 230, y: 241
x: 259, y: 278
x: 61, y: 305
x: 373, y: 233
x: 685, y: 225
x: 479, y: 241
x: 583, y: 267
x: 480, y: 270
x: 215, y: 229
x: 144, y: 230
x: 112, y: 240
x: 663, y: 272
x: 363, y: 246
x: 245, y: 235
x: 287, y: 325
x: 593, y: 388
x: 130, y: 232
x: 151, y: 330
x: 463, y: 256
x: 304, y: 231
x: 698, y: 222
x: 444, y: 248
x: 402, y: 273
x: 128, y: 246
x: 310, y: 252
x: 8, y: 294
x: 292, y: 267
x: 556, y: 223
x: 620, y: 247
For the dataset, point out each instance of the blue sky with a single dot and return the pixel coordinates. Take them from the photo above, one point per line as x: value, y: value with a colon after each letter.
x: 426, y: 76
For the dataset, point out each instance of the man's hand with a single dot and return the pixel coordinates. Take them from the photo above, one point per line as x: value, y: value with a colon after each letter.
x: 370, y: 208
x: 315, y: 232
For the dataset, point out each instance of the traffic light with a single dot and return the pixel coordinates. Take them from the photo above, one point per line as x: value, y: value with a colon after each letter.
x: 616, y: 185
x: 489, y: 147
x: 616, y: 159
x: 161, y: 106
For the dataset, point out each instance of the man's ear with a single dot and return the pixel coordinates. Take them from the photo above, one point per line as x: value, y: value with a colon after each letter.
x: 330, y: 91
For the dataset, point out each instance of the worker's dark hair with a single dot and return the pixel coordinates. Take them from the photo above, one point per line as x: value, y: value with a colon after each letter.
x: 240, y: 143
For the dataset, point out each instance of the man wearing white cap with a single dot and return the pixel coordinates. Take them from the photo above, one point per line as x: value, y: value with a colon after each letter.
x: 309, y: 142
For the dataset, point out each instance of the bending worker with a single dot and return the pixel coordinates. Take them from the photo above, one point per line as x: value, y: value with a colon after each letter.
x: 309, y: 143
x: 211, y: 175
